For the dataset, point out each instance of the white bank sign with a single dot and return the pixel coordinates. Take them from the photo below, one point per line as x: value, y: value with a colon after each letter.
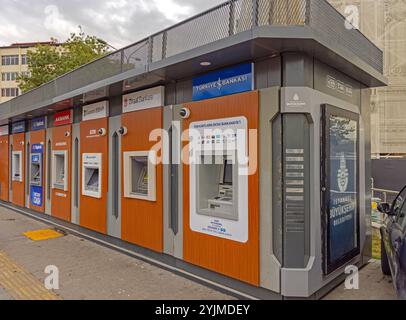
x: 146, y: 99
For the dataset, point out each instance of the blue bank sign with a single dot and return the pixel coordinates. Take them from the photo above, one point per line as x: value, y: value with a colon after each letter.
x: 39, y: 124
x: 224, y: 82
x: 18, y: 127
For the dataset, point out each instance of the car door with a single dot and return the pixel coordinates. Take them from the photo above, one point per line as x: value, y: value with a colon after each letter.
x: 391, y: 229
x: 397, y: 243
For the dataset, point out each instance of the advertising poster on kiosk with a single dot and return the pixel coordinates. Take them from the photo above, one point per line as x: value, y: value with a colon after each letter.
x: 341, y: 203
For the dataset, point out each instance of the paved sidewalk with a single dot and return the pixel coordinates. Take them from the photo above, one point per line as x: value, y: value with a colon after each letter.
x: 373, y: 286
x: 89, y: 271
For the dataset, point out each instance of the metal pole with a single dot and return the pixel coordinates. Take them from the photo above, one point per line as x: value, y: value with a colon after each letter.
x: 254, y: 13
x: 164, y: 44
x: 231, y: 18
x: 150, y: 49
x: 308, y: 13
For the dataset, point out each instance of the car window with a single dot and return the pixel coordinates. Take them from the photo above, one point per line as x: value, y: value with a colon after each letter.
x: 399, y: 201
x: 401, y: 217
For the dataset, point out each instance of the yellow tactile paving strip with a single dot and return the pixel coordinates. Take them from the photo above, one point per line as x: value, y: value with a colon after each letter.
x: 42, y: 235
x: 20, y: 284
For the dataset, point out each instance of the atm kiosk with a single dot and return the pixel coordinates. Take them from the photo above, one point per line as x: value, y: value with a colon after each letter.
x: 142, y: 175
x: 220, y: 195
x: 18, y: 170
x: 271, y: 198
x: 94, y: 149
x: 36, y: 177
x: 36, y: 164
x: 61, y: 165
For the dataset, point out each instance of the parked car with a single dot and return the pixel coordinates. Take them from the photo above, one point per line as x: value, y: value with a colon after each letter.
x: 393, y: 244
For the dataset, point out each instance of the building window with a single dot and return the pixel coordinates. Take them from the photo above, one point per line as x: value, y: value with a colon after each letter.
x: 10, y: 60
x: 24, y: 59
x: 9, y: 76
x: 9, y: 92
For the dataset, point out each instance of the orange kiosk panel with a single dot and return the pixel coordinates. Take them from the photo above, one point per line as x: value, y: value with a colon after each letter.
x: 61, y: 166
x: 39, y: 138
x: 94, y: 174
x: 239, y: 260
x: 18, y: 170
x: 4, y: 168
x: 142, y: 219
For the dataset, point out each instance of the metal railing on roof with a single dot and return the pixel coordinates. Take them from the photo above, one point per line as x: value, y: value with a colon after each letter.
x: 222, y: 21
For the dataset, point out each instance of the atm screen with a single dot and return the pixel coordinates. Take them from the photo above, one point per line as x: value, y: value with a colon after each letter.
x: 228, y: 172
x: 93, y: 182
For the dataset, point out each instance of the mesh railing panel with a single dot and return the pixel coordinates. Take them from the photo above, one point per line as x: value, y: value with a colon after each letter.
x: 135, y: 57
x: 198, y: 32
x: 230, y: 18
x: 281, y: 12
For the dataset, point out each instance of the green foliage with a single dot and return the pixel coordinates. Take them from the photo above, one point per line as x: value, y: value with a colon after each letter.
x: 48, y: 62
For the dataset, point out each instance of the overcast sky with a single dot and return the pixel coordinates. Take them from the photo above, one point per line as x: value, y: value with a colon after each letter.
x: 119, y: 22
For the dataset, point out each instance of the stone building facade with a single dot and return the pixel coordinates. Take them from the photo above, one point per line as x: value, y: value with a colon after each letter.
x: 384, y: 22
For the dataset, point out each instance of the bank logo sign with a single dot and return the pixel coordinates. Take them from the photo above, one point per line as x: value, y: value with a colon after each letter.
x: 39, y: 124
x: 18, y: 127
x: 146, y: 99
x: 95, y: 111
x: 343, y: 175
x: 63, y: 118
x: 224, y: 82
x: 4, y: 131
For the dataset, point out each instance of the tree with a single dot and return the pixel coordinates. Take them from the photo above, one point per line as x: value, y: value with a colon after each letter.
x: 47, y: 62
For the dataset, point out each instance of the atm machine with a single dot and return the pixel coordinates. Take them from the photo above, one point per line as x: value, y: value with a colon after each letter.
x: 18, y: 170
x: 36, y: 164
x: 36, y: 169
x: 4, y: 163
x: 36, y: 176
x: 94, y: 151
x: 142, y: 175
x: 60, y: 170
x: 61, y: 156
x: 220, y: 195
x: 17, y: 166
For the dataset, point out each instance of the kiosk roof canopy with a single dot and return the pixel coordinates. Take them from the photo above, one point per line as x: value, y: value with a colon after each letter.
x: 252, y: 28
